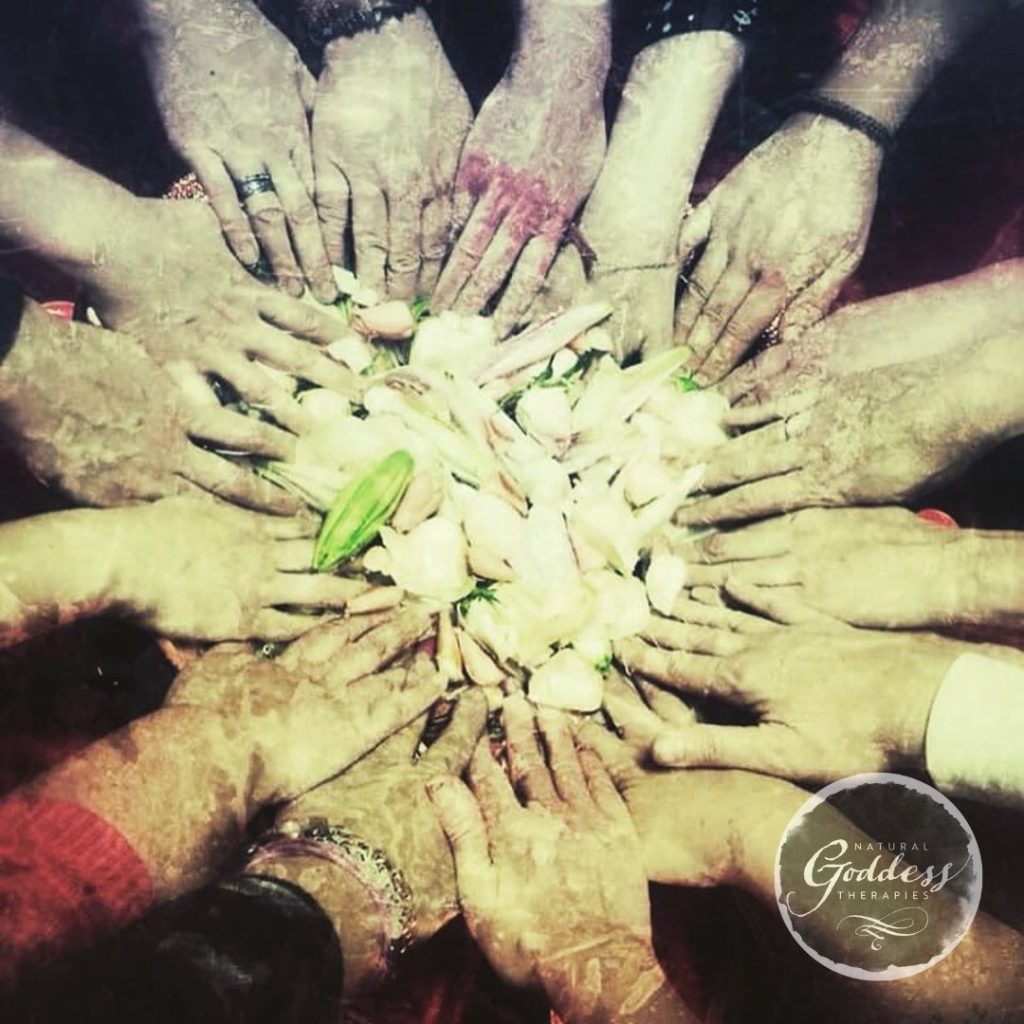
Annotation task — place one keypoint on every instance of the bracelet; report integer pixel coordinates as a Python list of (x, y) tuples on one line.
[(815, 103), (368, 865), (346, 23)]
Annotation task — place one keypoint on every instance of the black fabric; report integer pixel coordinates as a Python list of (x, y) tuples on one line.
[(663, 19), (12, 305), (247, 950)]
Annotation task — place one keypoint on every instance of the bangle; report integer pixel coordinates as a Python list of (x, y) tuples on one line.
[(815, 103), (346, 23), (369, 866)]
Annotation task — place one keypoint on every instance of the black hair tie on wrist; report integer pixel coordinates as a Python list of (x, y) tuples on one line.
[(346, 23), (815, 103), (12, 305)]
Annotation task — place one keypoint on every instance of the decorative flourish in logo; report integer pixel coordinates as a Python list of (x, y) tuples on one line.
[(902, 923)]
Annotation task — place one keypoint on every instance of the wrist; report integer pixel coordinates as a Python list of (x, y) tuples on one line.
[(825, 134), (561, 45), (985, 570), (349, 907)]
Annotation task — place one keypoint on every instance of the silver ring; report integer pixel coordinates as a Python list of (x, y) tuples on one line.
[(253, 185)]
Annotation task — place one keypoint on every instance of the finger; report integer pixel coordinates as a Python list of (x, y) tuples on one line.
[(533, 266), (601, 788), (747, 416), (563, 761), (768, 572), (529, 772), (691, 673), (236, 432), (379, 647), (711, 597), (759, 748), (261, 392), (753, 377), (815, 301), (699, 286), (669, 707), (330, 642), (220, 190), (472, 244), (333, 196), (304, 229), (632, 717), (694, 231), (491, 785), (492, 269), (305, 321), (236, 484), (711, 328), (452, 750), (271, 624), (761, 540), (681, 636), (755, 312), (462, 822), (303, 360), (756, 500), (619, 757), (761, 454), (703, 614), (298, 527), (294, 555), (435, 232), (312, 590), (370, 235), (784, 605), (404, 245)]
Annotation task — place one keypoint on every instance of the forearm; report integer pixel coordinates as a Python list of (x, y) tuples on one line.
[(937, 318), (975, 982), (54, 569), (56, 208), (668, 110), (990, 378), (898, 50), (176, 784), (561, 41)]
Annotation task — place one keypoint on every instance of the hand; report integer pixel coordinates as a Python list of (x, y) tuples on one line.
[(552, 887), (693, 825), (91, 412), (207, 571), (235, 97), (784, 230), (829, 702), (884, 568), (383, 801), (852, 442), (531, 157), (389, 121), (318, 707)]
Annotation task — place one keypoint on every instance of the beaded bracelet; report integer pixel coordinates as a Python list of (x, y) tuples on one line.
[(816, 103), (349, 22), (368, 865)]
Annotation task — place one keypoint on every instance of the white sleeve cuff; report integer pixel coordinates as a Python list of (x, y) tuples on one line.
[(973, 746)]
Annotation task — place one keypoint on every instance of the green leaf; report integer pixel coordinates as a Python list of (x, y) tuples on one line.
[(481, 592), (685, 382)]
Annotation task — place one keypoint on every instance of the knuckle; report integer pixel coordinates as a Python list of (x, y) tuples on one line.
[(269, 217)]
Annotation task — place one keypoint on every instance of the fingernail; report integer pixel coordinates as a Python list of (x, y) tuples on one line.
[(250, 252), (294, 287)]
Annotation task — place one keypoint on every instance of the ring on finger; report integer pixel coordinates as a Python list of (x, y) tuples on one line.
[(253, 185)]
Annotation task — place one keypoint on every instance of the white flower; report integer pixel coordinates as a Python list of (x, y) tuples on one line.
[(568, 681), (545, 415), (664, 580), (452, 343), (429, 561)]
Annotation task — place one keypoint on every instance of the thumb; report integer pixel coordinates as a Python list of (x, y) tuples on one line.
[(462, 821), (718, 746), (695, 230)]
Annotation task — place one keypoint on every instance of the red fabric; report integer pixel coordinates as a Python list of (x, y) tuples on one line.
[(66, 879)]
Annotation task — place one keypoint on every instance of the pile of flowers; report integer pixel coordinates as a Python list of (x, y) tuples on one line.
[(526, 487)]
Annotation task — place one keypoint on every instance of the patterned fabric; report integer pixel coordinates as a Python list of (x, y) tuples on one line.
[(667, 18)]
